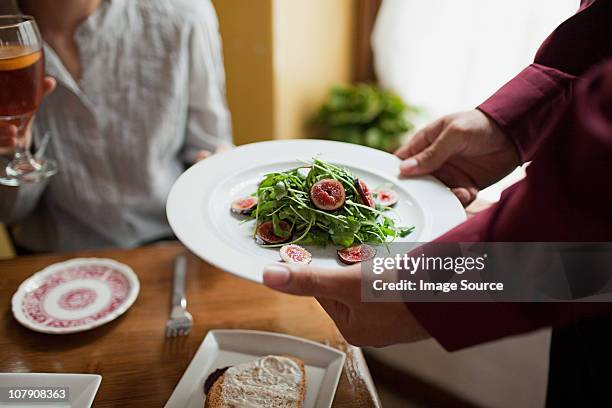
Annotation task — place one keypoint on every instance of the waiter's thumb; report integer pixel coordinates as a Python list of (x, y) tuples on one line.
[(431, 158), (306, 280)]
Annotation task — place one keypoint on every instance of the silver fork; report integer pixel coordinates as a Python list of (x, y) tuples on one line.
[(180, 321)]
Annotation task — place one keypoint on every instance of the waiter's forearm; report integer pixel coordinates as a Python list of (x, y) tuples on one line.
[(562, 199)]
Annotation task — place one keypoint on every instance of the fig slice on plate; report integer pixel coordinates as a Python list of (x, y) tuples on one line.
[(295, 254), (327, 194), (356, 254), (244, 206), (265, 232), (364, 193), (386, 197)]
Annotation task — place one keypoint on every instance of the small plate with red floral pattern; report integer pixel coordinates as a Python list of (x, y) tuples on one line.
[(75, 295)]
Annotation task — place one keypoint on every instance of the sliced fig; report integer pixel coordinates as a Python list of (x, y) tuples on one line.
[(295, 254), (244, 206), (327, 194), (356, 254), (386, 197), (265, 232), (364, 193)]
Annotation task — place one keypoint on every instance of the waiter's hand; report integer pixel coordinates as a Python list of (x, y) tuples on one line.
[(9, 133), (338, 290), (467, 151)]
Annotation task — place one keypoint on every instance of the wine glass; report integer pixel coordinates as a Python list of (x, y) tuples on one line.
[(22, 72)]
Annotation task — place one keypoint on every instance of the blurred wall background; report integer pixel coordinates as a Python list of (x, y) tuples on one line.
[(247, 33), (280, 59), (313, 49)]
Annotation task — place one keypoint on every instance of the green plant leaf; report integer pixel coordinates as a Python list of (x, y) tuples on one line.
[(365, 114)]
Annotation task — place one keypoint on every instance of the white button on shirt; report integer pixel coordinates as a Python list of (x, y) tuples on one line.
[(151, 95)]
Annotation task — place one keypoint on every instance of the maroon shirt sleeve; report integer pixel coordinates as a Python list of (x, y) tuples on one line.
[(525, 106), (563, 198)]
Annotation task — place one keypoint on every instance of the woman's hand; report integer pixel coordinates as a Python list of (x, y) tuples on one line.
[(8, 133), (467, 151), (203, 154), (338, 291), (7, 139)]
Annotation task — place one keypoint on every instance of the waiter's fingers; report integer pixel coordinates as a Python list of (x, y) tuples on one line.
[(432, 158), (465, 195), (305, 280), (420, 140)]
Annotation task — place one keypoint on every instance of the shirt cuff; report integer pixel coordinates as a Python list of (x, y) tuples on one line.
[(529, 104)]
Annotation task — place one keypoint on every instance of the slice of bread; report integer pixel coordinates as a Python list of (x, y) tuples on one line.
[(270, 381)]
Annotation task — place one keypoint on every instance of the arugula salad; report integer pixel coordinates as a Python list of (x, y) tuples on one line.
[(319, 204)]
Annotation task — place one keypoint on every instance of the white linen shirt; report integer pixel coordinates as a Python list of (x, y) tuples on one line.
[(151, 95)]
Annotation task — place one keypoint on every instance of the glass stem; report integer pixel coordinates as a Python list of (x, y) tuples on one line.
[(22, 153), (23, 162)]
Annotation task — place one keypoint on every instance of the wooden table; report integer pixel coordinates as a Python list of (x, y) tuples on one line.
[(139, 366)]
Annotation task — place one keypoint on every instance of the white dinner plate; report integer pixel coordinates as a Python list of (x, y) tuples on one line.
[(75, 295), (82, 388), (223, 348), (198, 206)]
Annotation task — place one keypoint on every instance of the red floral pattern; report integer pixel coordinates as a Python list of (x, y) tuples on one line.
[(32, 303), (77, 299)]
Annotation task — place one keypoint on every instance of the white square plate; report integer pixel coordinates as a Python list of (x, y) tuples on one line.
[(222, 348), (82, 387)]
